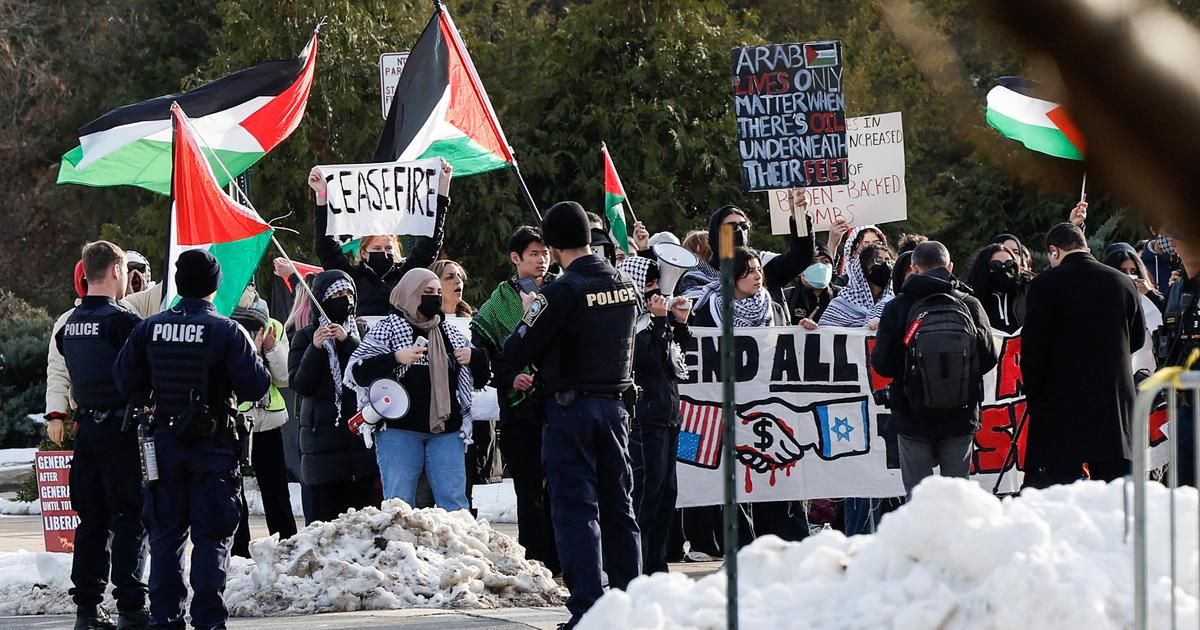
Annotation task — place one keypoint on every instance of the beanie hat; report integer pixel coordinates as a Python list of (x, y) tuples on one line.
[(197, 274), (251, 314), (80, 280), (566, 226)]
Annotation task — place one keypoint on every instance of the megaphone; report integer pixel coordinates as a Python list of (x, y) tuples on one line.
[(673, 261), (386, 400)]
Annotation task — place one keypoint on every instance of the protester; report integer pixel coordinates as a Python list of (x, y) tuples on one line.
[(909, 242), (188, 362), (812, 291), (778, 269), (935, 342), (998, 283), (1083, 321), (521, 413), (1160, 258), (377, 267), (861, 238), (1126, 260), (139, 272), (105, 476), (267, 417), (1179, 337), (868, 290), (696, 242), (58, 380), (335, 465), (434, 362), (454, 280), (901, 271), (654, 433)]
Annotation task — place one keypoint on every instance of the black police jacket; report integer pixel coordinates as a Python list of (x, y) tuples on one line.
[(888, 357), (579, 331), (190, 348), (371, 289), (90, 341)]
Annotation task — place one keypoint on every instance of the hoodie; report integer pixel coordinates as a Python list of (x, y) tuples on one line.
[(889, 356), (778, 269)]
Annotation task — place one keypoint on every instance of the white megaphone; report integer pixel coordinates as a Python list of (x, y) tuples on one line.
[(673, 261), (386, 400)]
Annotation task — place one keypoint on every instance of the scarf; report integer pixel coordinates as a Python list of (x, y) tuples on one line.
[(335, 366), (748, 312), (844, 265), (695, 281), (636, 268), (406, 298), (854, 305)]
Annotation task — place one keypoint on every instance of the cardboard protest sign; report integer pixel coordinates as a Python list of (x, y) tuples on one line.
[(876, 192), (59, 519), (791, 120), (391, 65), (387, 198), (808, 426)]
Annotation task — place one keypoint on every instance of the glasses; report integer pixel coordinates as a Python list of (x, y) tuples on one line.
[(1005, 265), (740, 225), (137, 266)]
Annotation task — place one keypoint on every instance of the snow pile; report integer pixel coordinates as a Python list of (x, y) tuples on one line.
[(9, 507), (255, 503), (35, 583), (394, 557), (17, 457), (955, 558), (497, 502)]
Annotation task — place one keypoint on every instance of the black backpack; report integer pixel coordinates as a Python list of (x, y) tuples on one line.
[(941, 371)]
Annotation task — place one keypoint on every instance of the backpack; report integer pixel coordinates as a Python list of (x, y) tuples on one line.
[(941, 355)]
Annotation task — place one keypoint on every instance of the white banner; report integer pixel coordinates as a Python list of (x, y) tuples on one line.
[(808, 427), (389, 198), (876, 192)]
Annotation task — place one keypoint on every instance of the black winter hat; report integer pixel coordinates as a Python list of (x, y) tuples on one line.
[(566, 226), (197, 274)]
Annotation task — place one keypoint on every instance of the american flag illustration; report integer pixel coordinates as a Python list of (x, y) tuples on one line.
[(700, 435)]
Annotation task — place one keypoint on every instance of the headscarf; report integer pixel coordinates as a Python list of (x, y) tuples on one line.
[(405, 298), (335, 366), (855, 305)]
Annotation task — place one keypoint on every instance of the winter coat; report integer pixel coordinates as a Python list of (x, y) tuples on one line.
[(1083, 319), (654, 372), (270, 412), (1006, 310), (328, 451), (889, 356), (373, 290)]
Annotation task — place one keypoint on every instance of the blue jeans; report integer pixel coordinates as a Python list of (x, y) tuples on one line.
[(402, 455)]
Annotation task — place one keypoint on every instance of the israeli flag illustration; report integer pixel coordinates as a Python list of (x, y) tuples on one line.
[(844, 428)]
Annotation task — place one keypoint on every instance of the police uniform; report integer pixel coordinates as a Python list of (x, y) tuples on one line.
[(579, 334), (106, 489), (189, 363), (1174, 342)]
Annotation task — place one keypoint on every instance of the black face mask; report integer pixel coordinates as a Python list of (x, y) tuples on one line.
[(431, 305), (339, 309), (880, 275), (1002, 279), (739, 238), (380, 262)]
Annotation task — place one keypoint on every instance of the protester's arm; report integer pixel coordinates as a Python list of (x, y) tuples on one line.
[(374, 368), (480, 366), (328, 250), (501, 376), (784, 268), (277, 355), (888, 356), (58, 379), (146, 303), (426, 248), (987, 343), (307, 364)]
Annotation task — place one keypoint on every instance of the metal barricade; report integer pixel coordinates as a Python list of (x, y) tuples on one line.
[(1172, 380)]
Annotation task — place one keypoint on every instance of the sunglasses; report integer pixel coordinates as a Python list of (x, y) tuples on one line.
[(740, 225), (137, 266), (1006, 265)]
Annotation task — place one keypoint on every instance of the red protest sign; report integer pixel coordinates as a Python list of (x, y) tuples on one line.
[(54, 490)]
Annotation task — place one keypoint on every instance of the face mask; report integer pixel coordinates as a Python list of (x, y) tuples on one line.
[(1165, 245), (880, 275), (380, 262), (739, 238), (431, 305), (339, 309), (1002, 279), (818, 275)]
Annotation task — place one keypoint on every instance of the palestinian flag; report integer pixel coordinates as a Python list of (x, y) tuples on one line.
[(1015, 110), (204, 217), (440, 108), (614, 202), (241, 117)]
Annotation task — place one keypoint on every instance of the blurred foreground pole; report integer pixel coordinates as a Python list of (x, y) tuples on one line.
[(729, 427)]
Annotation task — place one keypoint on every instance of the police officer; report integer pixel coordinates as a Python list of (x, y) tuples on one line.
[(106, 488), (189, 363), (578, 334)]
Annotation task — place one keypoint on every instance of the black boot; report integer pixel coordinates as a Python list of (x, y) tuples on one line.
[(93, 618), (135, 620)]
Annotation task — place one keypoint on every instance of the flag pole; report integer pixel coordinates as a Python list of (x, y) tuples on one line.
[(246, 201), (525, 190), (1083, 188), (608, 156)]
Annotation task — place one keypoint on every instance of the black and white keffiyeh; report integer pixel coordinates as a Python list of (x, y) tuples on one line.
[(395, 333), (747, 312), (855, 305), (335, 367)]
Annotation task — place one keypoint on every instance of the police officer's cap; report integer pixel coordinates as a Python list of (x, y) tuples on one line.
[(566, 226), (197, 274)]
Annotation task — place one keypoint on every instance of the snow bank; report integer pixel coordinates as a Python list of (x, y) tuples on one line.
[(955, 558), (19, 457), (35, 583), (394, 557), (8, 507), (497, 502), (255, 503)]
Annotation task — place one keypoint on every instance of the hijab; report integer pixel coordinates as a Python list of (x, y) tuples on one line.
[(405, 298)]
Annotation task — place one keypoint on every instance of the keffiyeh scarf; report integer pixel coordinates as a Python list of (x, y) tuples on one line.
[(747, 312), (335, 366), (854, 305)]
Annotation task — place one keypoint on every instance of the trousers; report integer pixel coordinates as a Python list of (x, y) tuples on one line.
[(918, 456), (655, 487)]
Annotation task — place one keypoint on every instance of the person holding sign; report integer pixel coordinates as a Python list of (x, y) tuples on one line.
[(378, 267)]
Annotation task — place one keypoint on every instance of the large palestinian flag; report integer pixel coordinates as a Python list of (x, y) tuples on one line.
[(440, 108), (615, 201), (241, 117), (204, 217), (1016, 110)]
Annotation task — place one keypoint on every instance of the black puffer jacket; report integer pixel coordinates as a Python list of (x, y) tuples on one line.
[(373, 290), (328, 451)]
